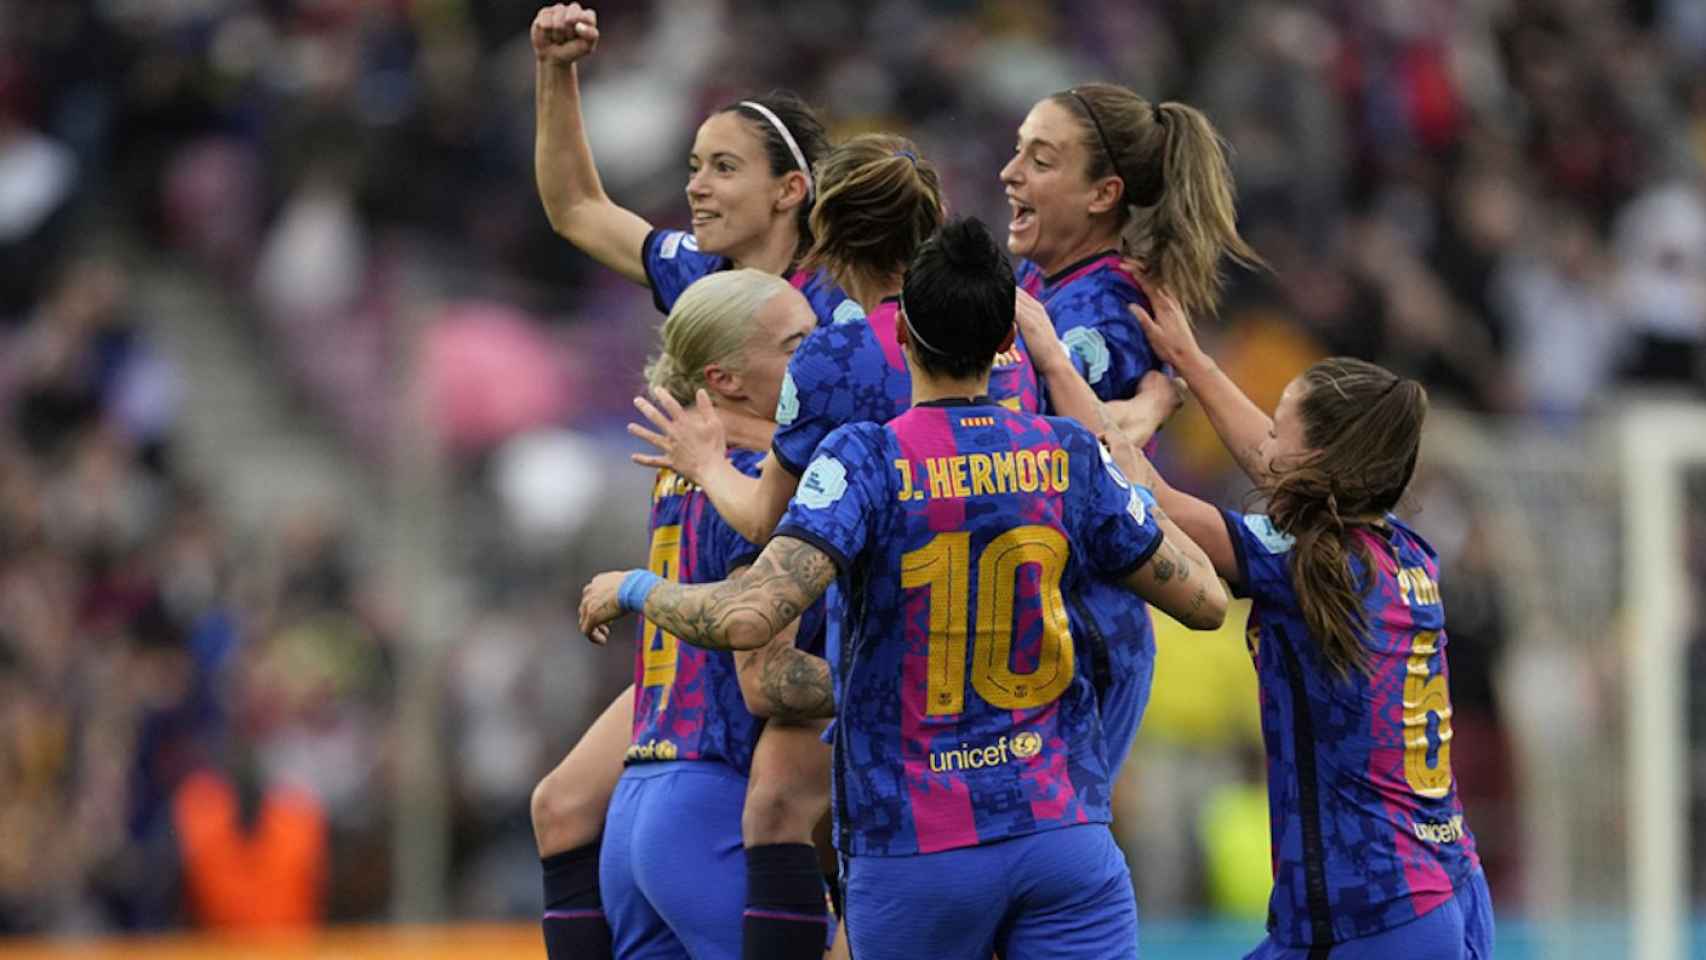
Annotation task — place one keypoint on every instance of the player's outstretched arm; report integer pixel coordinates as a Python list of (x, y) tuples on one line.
[(691, 441), (1179, 579), (563, 167), (741, 613), (1241, 424)]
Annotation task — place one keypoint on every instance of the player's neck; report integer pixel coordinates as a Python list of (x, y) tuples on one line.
[(926, 388), (1091, 244), (869, 291), (774, 254)]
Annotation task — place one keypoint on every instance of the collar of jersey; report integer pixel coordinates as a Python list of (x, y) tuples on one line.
[(1068, 270), (982, 401)]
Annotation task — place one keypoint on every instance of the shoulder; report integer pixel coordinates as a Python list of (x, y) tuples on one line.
[(1258, 530), (846, 458), (1409, 533)]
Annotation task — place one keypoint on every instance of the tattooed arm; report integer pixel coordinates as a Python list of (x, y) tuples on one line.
[(783, 682), (1180, 580), (741, 613)]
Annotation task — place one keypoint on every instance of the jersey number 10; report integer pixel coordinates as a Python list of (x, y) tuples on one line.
[(944, 566)]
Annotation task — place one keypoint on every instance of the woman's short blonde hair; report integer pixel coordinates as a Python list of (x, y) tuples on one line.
[(710, 323)]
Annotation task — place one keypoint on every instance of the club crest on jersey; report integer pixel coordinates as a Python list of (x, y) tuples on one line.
[(847, 312), (1270, 536), (824, 483), (1088, 345), (788, 404)]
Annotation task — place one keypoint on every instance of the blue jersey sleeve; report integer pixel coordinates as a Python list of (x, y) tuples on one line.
[(1117, 526), (816, 395), (836, 503), (1106, 344), (1264, 556), (673, 261)]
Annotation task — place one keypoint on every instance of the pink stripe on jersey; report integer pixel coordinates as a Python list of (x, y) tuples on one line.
[(925, 432), (882, 321), (942, 814), (1425, 876), (799, 279)]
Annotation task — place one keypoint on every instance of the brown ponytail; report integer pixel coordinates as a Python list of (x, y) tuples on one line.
[(1363, 425), (878, 201), (1179, 206)]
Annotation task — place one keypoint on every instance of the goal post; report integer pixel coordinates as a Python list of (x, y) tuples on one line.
[(1660, 442)]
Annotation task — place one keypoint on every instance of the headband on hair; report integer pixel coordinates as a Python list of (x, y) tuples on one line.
[(1100, 136), (787, 138), (908, 154), (906, 318)]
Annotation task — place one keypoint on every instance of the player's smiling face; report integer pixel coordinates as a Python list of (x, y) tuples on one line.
[(1285, 446), (1049, 192), (730, 190)]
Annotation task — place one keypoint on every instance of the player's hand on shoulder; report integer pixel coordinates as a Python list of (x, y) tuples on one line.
[(689, 440), (1048, 353), (564, 33), (1168, 329), (599, 606)]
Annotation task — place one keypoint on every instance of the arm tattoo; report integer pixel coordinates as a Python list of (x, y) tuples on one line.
[(1164, 565), (744, 612), (796, 684), (1197, 601)]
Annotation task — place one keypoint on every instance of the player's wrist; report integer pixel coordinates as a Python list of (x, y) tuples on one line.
[(636, 587)]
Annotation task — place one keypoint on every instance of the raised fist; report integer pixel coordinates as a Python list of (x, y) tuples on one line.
[(564, 33)]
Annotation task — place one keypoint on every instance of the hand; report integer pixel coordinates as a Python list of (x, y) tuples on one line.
[(1158, 398), (599, 607), (564, 33), (692, 442), (1168, 330), (1048, 353)]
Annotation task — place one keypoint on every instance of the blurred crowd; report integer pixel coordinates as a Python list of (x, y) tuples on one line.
[(1506, 198)]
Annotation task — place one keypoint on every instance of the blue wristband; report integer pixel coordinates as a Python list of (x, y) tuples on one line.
[(636, 587)]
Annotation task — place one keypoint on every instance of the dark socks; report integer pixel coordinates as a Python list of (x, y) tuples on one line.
[(785, 917), (574, 915)]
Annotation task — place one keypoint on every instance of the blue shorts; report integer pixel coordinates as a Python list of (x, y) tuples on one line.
[(1057, 894), (671, 871), (1459, 929)]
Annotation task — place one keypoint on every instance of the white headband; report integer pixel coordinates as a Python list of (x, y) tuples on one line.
[(787, 138)]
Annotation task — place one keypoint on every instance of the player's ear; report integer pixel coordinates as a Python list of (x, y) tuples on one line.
[(1106, 194), (793, 190), (722, 383)]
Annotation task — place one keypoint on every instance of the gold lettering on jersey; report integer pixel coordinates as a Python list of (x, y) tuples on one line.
[(653, 750), (1021, 746), (1418, 589), (1450, 831), (907, 490), (986, 474), (671, 484)]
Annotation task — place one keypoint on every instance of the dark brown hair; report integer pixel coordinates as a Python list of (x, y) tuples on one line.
[(1363, 426), (808, 133), (1177, 207), (878, 201)]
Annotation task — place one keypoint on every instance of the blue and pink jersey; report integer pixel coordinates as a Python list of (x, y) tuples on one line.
[(672, 262), (852, 371), (687, 701), (1087, 302), (961, 527), (1367, 830)]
